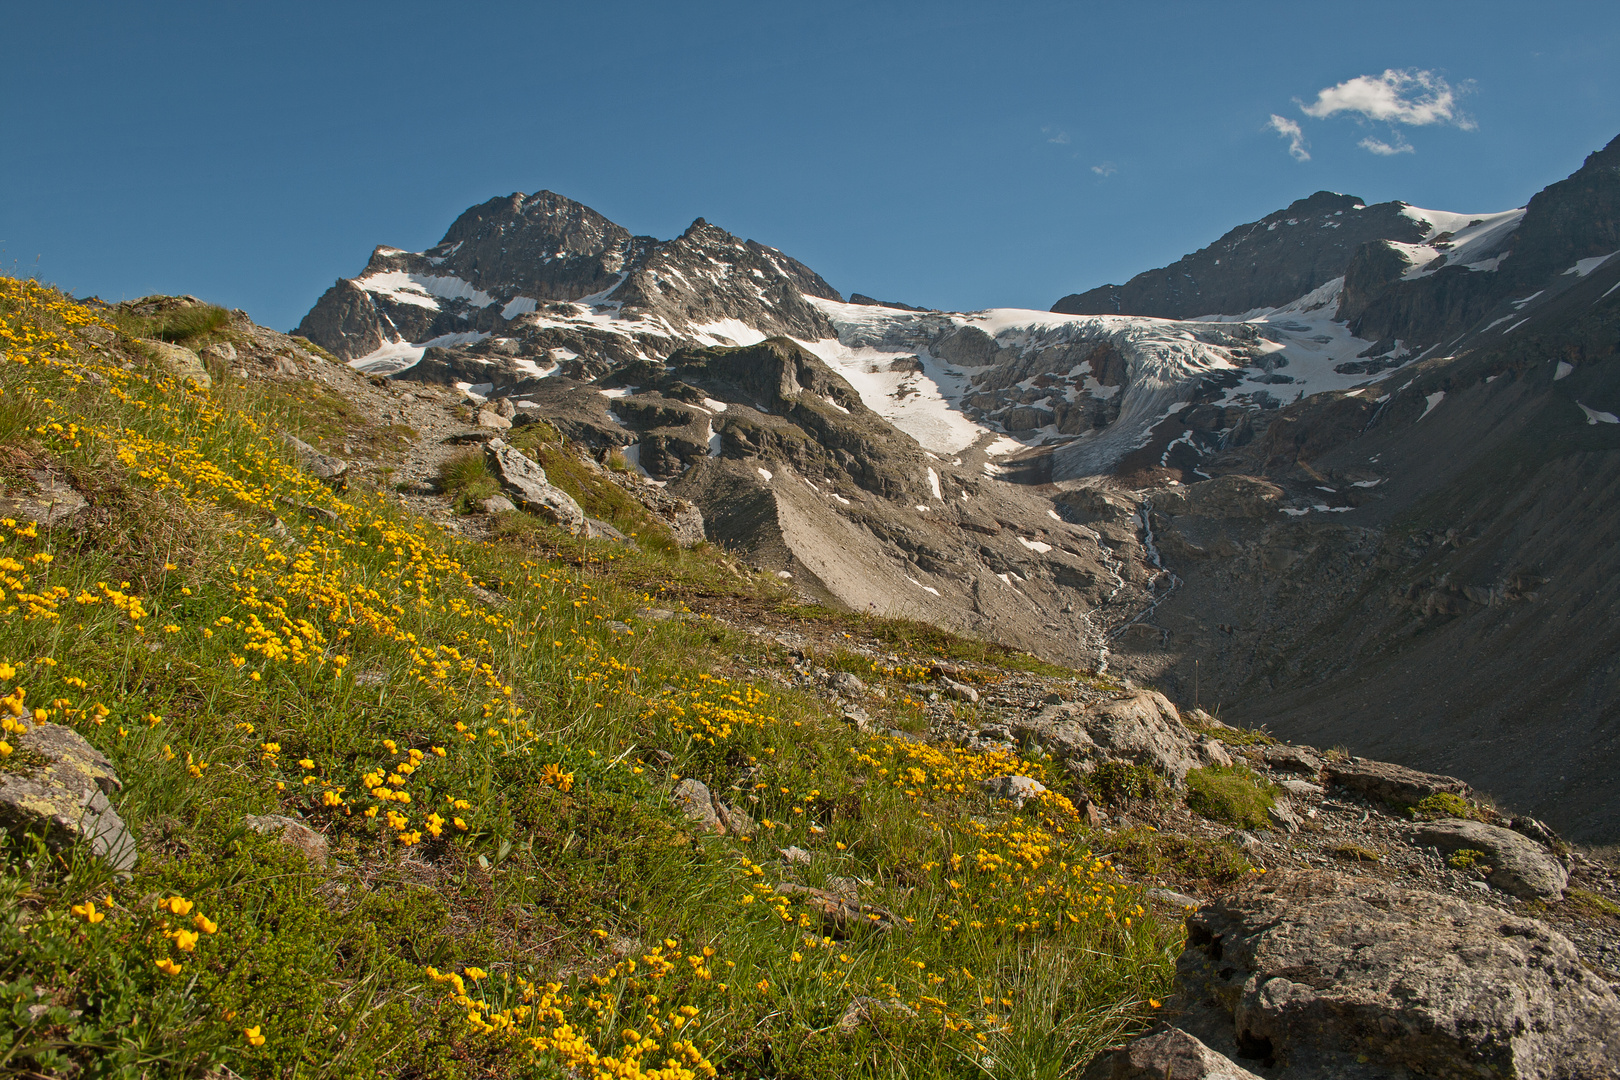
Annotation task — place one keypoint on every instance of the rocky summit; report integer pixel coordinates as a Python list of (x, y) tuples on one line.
[(1345, 471)]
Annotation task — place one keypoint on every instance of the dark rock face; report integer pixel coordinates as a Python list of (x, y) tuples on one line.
[(513, 256), (1574, 219), (1266, 263)]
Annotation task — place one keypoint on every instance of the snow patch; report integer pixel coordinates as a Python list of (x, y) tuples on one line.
[(1595, 417), (1036, 545), (765, 473), (1433, 399), (1586, 266), (933, 484), (422, 290), (518, 305), (1563, 371)]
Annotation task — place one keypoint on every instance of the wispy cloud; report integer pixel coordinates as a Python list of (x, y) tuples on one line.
[(1416, 98), (1107, 168), (1056, 135), (1384, 149), (1290, 130)]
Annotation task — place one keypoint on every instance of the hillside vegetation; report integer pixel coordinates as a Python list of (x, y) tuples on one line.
[(486, 735)]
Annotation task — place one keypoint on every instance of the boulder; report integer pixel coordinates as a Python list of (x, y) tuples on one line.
[(1166, 1054), (292, 833), (494, 421), (695, 801), (1301, 789), (55, 785), (333, 471), (180, 361), (864, 1010), (1391, 783), (496, 504), (961, 691), (525, 483), (1014, 789), (1211, 752), (51, 502), (1519, 865), (1329, 974), (1295, 759), (1141, 728)]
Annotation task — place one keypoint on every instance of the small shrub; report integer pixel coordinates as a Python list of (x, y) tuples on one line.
[(1115, 782), (1191, 860), (1443, 804), (1230, 793), (467, 480), (1466, 859)]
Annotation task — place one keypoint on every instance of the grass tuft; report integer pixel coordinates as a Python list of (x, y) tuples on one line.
[(1230, 793)]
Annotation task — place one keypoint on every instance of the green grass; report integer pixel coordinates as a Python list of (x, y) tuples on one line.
[(177, 323), (230, 666), (466, 478), (1230, 793)]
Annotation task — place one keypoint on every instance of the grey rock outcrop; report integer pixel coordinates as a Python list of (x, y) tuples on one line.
[(525, 483), (1519, 865), (56, 785), (51, 501), (181, 362), (1142, 728), (1323, 974)]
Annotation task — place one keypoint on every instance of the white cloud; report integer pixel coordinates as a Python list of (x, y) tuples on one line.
[(1107, 168), (1290, 130), (1384, 149), (1056, 135), (1414, 97)]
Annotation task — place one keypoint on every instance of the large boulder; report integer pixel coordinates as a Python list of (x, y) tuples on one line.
[(55, 785), (1519, 865), (1392, 783), (1326, 974), (1141, 728), (525, 483)]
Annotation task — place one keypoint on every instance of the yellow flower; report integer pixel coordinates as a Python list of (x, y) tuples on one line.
[(87, 911), (205, 924), (185, 940), (254, 1038), (167, 966), (179, 905)]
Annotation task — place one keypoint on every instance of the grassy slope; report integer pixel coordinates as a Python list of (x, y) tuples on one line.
[(508, 890)]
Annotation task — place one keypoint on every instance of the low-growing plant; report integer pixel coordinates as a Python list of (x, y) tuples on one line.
[(1591, 903), (1355, 853), (1114, 783), (1195, 862), (1466, 859), (1233, 736), (176, 322), (1230, 793), (1444, 804)]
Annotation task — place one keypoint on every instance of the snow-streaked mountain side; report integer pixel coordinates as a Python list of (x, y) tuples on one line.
[(1329, 476)]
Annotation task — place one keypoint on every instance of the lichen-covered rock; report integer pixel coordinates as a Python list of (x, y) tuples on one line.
[(526, 484), (1169, 1054), (694, 800), (1519, 865), (1015, 789), (180, 361), (1315, 972), (45, 497), (1142, 728), (324, 467), (55, 785), (292, 833)]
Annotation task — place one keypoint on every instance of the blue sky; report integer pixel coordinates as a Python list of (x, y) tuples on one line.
[(957, 155)]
